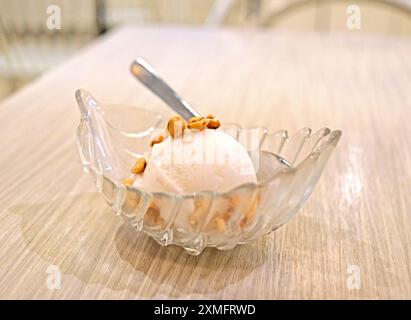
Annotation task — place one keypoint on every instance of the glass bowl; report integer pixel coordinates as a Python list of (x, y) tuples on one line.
[(110, 138)]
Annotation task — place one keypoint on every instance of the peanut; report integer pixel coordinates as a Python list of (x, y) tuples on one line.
[(220, 224), (213, 124), (156, 140), (128, 182), (194, 119), (198, 125), (176, 126), (139, 166)]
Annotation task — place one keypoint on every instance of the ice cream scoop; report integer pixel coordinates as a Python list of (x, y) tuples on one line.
[(207, 160)]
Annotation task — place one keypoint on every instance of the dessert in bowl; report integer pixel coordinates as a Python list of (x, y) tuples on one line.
[(199, 183)]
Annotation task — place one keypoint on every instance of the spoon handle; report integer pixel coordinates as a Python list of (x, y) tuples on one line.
[(149, 77)]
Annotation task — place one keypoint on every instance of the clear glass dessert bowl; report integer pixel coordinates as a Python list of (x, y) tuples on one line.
[(110, 138)]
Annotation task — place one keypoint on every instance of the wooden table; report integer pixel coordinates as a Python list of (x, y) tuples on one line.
[(355, 226)]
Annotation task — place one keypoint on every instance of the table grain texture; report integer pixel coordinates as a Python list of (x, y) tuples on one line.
[(356, 225)]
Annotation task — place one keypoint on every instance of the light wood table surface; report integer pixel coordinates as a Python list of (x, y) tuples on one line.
[(358, 218)]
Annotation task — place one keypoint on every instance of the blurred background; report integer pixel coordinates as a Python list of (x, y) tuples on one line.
[(28, 47)]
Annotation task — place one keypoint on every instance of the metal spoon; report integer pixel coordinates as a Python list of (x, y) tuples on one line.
[(149, 77), (146, 74)]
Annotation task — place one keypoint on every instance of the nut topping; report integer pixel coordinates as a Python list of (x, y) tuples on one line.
[(194, 119), (139, 166), (156, 140), (220, 224), (176, 126), (213, 124), (128, 182), (198, 125)]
